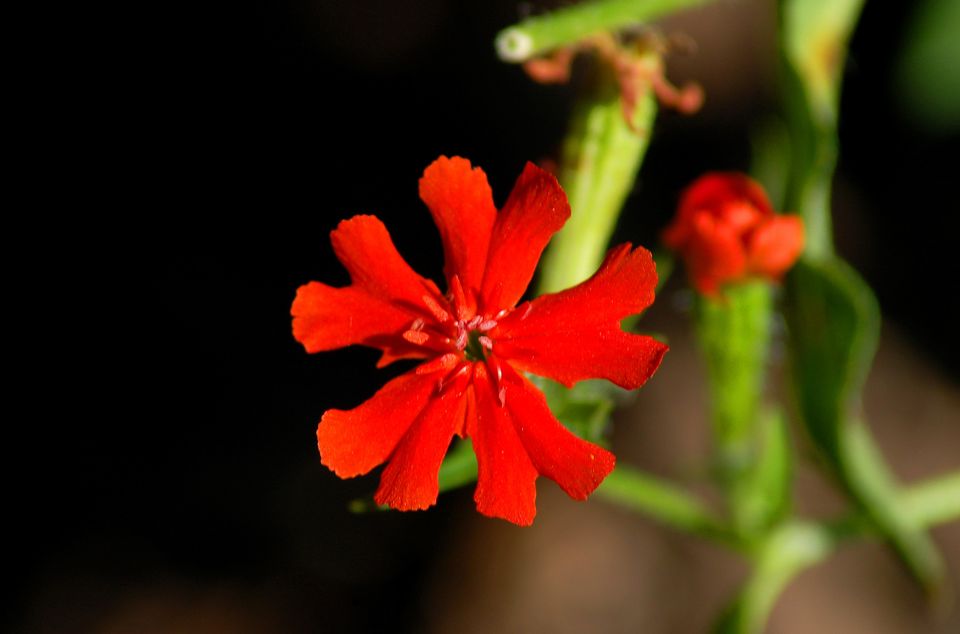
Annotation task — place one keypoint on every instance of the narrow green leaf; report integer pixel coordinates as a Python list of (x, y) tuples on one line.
[(834, 327)]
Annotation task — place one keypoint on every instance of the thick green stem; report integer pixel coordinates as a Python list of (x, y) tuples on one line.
[(542, 33), (601, 158), (733, 331)]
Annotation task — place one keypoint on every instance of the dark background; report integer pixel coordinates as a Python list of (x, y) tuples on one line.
[(247, 132)]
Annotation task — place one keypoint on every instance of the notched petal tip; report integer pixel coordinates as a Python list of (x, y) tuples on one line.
[(536, 209)]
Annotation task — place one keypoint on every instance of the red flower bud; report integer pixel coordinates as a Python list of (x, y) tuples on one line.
[(726, 231)]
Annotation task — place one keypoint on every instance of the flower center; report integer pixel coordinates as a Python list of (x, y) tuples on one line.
[(475, 350)]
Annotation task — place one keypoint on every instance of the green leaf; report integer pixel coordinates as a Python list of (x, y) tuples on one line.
[(834, 325), (927, 83), (814, 36)]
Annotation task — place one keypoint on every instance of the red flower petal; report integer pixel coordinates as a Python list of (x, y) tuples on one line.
[(354, 442), (363, 245), (410, 480), (623, 285), (714, 255), (575, 464), (536, 209), (575, 334), (595, 353), (326, 318), (461, 203), (506, 482), (775, 245), (717, 190)]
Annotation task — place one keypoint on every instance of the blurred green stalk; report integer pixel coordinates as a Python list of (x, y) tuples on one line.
[(599, 165)]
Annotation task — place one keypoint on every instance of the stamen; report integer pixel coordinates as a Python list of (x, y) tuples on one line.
[(417, 324), (435, 308), (487, 325), (445, 362), (473, 323), (486, 342), (416, 337), (446, 382), (459, 298), (501, 314), (462, 336)]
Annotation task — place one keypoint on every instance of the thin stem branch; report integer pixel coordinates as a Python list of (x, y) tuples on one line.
[(542, 33), (663, 501)]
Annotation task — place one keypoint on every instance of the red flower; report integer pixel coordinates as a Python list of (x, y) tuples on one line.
[(475, 344), (726, 231)]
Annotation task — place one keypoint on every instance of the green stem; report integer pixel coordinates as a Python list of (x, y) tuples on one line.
[(798, 545), (784, 553), (733, 331), (934, 501), (543, 33), (601, 158), (664, 502)]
